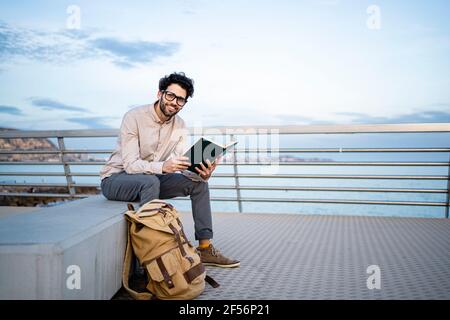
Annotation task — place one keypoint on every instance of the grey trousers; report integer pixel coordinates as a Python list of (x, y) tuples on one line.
[(145, 187)]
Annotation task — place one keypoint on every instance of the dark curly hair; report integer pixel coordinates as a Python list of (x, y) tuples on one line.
[(180, 79)]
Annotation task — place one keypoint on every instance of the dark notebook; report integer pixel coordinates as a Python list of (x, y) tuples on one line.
[(205, 149)]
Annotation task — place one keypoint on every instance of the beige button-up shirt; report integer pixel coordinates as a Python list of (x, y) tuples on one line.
[(145, 142)]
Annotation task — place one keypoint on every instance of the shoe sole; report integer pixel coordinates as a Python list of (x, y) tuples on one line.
[(234, 265)]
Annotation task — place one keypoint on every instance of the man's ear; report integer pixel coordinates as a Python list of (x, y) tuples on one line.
[(159, 94)]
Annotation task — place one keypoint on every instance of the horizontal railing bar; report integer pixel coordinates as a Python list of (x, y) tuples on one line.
[(296, 150), (84, 174), (57, 174), (274, 188), (243, 175), (342, 150), (29, 163), (242, 130), (249, 150), (88, 151), (252, 163), (53, 151), (306, 176), (325, 129), (341, 163), (29, 152), (52, 195), (35, 163), (335, 201), (98, 133), (291, 200), (44, 174), (40, 184), (337, 189)]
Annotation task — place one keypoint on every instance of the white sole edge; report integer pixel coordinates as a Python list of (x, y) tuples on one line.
[(221, 265)]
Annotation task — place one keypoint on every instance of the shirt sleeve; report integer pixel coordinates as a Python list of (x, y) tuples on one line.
[(132, 162), (181, 145)]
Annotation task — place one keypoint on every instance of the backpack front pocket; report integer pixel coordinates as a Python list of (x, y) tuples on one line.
[(166, 280)]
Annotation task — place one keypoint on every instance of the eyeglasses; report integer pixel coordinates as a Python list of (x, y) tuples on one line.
[(171, 96)]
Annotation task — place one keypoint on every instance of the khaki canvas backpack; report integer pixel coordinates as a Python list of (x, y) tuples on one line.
[(172, 264)]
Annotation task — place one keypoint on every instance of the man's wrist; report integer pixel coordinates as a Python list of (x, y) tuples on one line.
[(157, 167)]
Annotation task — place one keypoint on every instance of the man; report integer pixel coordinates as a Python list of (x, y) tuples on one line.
[(148, 157)]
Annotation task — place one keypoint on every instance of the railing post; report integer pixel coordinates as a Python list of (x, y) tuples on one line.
[(448, 190), (62, 157), (236, 176), (258, 160)]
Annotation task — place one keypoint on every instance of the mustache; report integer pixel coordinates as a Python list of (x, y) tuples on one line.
[(164, 110), (173, 107), (168, 104)]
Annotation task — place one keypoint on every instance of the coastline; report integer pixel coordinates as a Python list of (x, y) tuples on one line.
[(39, 201)]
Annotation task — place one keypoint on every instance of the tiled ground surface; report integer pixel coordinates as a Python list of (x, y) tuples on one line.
[(326, 257)]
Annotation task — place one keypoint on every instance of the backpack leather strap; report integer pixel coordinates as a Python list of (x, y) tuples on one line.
[(197, 270), (183, 234), (212, 282), (180, 244), (126, 272), (166, 276), (194, 272)]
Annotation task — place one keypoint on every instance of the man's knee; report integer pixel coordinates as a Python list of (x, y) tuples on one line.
[(200, 186), (150, 182), (149, 189)]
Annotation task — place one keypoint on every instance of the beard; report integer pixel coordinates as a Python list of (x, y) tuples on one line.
[(165, 109)]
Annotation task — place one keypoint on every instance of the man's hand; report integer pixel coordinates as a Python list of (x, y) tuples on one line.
[(206, 172), (175, 164)]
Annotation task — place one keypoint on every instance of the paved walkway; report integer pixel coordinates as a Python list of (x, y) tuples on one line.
[(326, 257)]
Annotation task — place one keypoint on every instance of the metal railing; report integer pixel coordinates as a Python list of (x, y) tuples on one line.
[(233, 161)]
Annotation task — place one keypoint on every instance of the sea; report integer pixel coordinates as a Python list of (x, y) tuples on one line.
[(340, 142)]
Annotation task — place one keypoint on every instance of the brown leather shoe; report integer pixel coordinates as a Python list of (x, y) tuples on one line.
[(210, 256)]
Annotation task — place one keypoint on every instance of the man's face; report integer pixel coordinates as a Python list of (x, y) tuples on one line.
[(171, 108)]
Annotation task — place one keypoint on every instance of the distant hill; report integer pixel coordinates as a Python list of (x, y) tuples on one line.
[(34, 144), (30, 144)]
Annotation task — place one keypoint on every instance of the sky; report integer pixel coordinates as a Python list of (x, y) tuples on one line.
[(84, 64)]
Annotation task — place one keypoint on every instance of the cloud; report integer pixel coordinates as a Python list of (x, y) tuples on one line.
[(351, 114), (189, 12), (128, 53), (293, 119), (91, 123), (49, 104), (37, 45), (10, 110), (435, 116), (328, 2), (68, 46), (429, 116), (77, 33)]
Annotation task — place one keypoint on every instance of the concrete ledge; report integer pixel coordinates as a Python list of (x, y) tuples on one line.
[(44, 253), (6, 211)]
